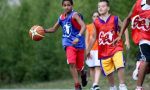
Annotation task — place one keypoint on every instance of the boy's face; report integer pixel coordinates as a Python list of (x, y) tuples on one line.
[(67, 6), (95, 15), (103, 8)]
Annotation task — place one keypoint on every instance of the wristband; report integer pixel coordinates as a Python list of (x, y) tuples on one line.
[(78, 36)]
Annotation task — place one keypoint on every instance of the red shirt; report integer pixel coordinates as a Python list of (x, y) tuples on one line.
[(106, 33), (140, 23)]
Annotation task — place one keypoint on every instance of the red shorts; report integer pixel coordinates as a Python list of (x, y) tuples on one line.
[(75, 56)]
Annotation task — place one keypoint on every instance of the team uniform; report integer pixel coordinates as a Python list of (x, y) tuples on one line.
[(111, 57), (70, 29), (141, 29), (93, 60), (141, 33)]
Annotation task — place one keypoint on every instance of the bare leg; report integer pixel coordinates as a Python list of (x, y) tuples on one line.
[(97, 75), (92, 73), (121, 75), (74, 73), (111, 79), (142, 73)]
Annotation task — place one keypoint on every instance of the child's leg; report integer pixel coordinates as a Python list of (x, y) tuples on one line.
[(97, 75), (108, 68), (80, 66), (97, 67), (74, 73), (121, 75), (145, 57), (90, 64), (142, 73), (111, 79), (71, 60), (92, 73), (119, 65)]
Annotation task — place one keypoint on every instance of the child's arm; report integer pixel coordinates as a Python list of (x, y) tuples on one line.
[(53, 29), (92, 41), (127, 43), (81, 23), (126, 23), (86, 38)]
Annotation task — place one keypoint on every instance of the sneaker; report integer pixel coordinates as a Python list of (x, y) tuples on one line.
[(84, 78), (135, 72), (78, 87), (122, 87), (113, 88), (139, 88), (95, 87)]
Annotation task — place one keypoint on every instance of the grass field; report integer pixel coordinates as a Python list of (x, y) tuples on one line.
[(68, 84)]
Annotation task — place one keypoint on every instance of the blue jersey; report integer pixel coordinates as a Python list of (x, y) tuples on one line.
[(70, 31)]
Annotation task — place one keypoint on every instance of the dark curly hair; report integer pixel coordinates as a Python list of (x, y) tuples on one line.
[(71, 1)]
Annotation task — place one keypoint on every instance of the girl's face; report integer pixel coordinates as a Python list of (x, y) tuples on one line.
[(67, 6), (103, 8), (95, 15)]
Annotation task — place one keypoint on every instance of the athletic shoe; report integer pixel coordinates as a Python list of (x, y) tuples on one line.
[(123, 87), (113, 88), (139, 88), (84, 78), (135, 72), (95, 87), (78, 86)]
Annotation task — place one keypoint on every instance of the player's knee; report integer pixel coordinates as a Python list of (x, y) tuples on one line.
[(72, 65)]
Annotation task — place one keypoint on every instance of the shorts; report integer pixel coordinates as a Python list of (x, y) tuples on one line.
[(144, 53), (75, 56), (113, 63), (93, 60)]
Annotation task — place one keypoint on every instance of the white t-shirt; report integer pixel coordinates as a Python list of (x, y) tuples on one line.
[(144, 7)]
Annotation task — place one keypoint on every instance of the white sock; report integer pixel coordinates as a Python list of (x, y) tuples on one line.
[(139, 87), (122, 85), (95, 84)]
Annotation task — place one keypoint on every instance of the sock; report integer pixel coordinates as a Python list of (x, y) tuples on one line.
[(139, 87), (122, 85), (95, 84), (77, 84)]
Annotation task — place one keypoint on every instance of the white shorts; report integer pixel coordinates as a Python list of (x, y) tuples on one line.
[(93, 60)]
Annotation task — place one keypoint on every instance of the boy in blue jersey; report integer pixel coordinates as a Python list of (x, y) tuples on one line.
[(72, 40)]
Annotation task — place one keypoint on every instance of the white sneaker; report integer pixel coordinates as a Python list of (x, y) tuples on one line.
[(122, 87), (135, 72), (139, 88), (113, 88)]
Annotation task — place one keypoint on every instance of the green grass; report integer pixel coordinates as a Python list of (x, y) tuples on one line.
[(68, 84)]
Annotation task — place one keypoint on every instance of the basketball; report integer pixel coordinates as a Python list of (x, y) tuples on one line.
[(36, 33)]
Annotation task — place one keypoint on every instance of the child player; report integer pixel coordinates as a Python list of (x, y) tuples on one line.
[(93, 62), (72, 40), (111, 56), (140, 18)]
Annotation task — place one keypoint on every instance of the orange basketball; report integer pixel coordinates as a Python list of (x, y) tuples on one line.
[(37, 33)]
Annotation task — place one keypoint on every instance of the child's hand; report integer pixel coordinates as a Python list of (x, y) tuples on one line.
[(116, 40), (127, 43), (76, 40), (89, 55)]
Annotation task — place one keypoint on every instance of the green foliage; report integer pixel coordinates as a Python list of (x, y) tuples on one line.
[(24, 60)]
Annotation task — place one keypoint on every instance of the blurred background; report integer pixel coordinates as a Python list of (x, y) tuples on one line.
[(25, 61)]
